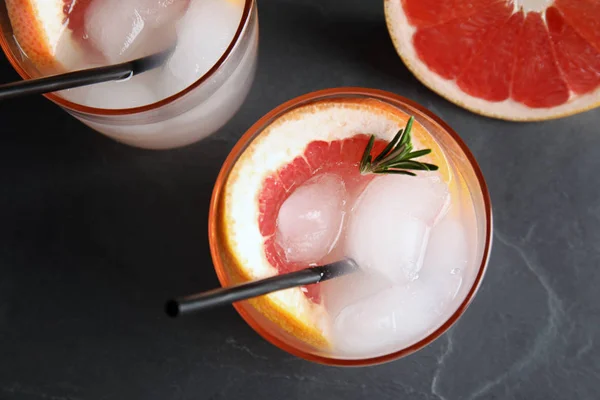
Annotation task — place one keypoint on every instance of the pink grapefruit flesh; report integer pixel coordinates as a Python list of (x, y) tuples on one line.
[(340, 157), (515, 60)]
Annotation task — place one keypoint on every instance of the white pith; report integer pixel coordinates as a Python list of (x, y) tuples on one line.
[(51, 18), (532, 5)]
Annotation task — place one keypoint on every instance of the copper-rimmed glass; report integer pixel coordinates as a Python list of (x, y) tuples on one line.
[(183, 118), (456, 152)]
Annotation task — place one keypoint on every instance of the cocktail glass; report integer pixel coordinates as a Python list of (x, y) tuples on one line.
[(229, 263)]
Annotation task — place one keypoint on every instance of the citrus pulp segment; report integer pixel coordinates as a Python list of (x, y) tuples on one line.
[(43, 31)]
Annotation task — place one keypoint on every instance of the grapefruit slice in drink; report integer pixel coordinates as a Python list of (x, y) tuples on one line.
[(323, 137), (44, 30), (509, 59)]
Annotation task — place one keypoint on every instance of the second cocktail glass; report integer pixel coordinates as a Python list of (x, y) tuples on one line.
[(185, 116)]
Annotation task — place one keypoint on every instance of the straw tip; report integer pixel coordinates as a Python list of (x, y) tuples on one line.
[(172, 308)]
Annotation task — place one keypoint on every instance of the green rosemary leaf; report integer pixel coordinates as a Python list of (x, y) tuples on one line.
[(364, 162), (397, 157), (368, 164), (394, 155), (390, 146), (408, 164), (399, 154), (406, 138), (432, 167), (418, 153)]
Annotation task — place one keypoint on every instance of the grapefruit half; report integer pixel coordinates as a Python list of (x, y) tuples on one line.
[(321, 137), (509, 59)]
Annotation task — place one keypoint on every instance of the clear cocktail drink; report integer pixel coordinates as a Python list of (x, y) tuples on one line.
[(292, 194)]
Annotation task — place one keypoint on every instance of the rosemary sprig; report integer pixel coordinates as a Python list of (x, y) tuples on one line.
[(397, 157)]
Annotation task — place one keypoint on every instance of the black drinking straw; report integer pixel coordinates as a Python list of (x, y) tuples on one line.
[(223, 296), (82, 77)]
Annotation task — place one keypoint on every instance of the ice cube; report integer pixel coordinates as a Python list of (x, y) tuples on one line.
[(203, 35), (124, 30), (310, 220), (386, 321), (389, 226), (133, 92), (161, 13), (345, 290), (446, 260)]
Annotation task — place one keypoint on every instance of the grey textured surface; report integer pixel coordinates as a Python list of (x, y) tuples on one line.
[(94, 236)]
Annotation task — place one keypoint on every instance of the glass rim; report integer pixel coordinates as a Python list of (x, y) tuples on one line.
[(264, 122), (246, 14)]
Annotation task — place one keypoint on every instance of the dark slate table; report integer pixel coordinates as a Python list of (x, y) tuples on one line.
[(95, 235)]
